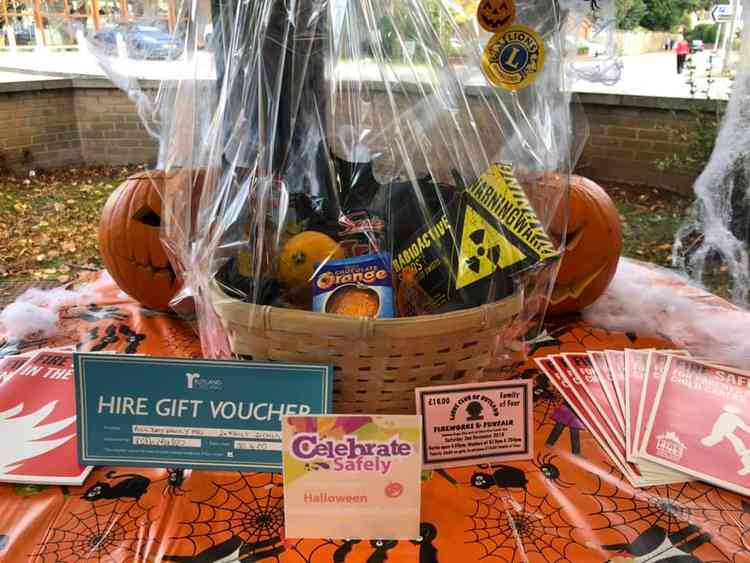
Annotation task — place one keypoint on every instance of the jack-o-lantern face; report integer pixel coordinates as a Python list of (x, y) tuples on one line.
[(129, 241), (496, 15), (592, 247)]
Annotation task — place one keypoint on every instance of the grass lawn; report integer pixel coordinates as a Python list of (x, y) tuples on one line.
[(48, 223)]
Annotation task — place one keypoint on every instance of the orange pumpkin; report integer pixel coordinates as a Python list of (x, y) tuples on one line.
[(592, 247), (129, 241), (496, 15)]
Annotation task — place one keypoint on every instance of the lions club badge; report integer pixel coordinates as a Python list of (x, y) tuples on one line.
[(514, 58), (496, 15)]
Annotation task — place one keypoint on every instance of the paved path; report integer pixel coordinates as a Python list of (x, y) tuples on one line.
[(652, 74), (655, 74)]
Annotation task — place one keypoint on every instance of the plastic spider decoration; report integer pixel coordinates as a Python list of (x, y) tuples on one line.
[(687, 522), (545, 464), (502, 477), (110, 337), (132, 338), (173, 482)]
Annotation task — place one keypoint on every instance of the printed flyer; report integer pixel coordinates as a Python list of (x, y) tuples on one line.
[(38, 422), (352, 476), (476, 423), (700, 423), (636, 364)]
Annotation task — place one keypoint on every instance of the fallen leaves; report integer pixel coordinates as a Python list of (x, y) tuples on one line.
[(49, 221)]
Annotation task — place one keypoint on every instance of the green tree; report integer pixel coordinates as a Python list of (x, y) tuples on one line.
[(665, 15), (629, 13)]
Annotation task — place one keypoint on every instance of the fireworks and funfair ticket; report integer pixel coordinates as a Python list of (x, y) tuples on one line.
[(578, 418), (700, 423), (581, 363), (636, 363), (616, 363), (476, 423), (606, 380), (657, 363), (352, 476), (572, 387)]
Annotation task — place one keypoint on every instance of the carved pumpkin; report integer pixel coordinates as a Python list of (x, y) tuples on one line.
[(129, 241), (496, 15), (592, 248)]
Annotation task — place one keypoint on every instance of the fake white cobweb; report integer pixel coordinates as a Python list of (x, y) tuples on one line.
[(716, 234)]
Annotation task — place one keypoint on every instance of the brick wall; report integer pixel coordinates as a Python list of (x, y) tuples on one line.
[(62, 122), (109, 128), (38, 129), (628, 134), (49, 124)]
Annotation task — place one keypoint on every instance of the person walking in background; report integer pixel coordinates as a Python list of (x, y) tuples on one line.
[(683, 50)]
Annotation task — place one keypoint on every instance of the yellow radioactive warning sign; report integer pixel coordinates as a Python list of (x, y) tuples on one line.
[(500, 195), (484, 250)]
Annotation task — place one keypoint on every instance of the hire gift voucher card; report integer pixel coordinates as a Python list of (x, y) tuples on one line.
[(205, 414), (352, 476)]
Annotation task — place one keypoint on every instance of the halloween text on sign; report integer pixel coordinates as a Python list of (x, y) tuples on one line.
[(158, 412)]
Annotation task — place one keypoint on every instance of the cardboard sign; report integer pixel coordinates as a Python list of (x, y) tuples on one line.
[(476, 423), (352, 476), (169, 412)]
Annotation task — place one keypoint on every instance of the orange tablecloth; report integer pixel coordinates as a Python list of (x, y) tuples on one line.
[(567, 504)]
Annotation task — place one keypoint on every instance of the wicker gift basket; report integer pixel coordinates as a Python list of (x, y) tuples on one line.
[(378, 363), (363, 124)]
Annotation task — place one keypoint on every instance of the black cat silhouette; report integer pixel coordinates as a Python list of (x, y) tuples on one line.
[(341, 553), (382, 547), (427, 552), (131, 486)]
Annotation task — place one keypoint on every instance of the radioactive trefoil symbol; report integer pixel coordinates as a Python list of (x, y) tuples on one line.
[(474, 263), (484, 250)]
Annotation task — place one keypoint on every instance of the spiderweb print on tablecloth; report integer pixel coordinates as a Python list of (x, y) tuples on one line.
[(314, 551), (695, 518), (105, 532), (513, 526), (249, 507)]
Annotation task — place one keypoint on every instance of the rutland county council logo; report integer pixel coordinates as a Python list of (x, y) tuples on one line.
[(669, 446), (194, 381)]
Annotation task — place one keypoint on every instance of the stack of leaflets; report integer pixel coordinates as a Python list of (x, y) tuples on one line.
[(38, 419), (662, 416)]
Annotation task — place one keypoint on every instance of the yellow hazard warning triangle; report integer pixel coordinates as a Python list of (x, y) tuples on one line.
[(498, 194), (484, 250)]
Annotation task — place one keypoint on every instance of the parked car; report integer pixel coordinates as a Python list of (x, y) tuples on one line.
[(142, 41), (696, 46)]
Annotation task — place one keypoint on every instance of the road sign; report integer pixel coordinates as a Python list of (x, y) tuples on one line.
[(721, 13)]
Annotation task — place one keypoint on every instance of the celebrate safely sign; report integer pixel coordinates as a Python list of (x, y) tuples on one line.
[(164, 412)]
